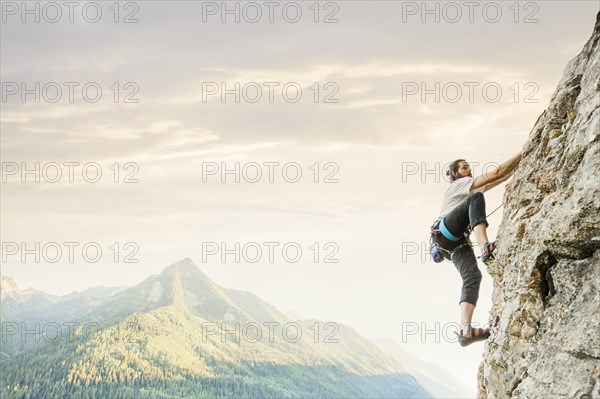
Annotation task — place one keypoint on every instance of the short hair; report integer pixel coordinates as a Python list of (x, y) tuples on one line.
[(453, 168)]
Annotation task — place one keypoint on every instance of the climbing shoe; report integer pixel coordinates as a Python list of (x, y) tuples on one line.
[(473, 335), (488, 252)]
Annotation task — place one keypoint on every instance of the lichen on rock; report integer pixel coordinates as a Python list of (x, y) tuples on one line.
[(545, 316)]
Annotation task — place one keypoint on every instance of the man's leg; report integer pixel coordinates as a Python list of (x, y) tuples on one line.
[(481, 233), (471, 212), (466, 263), (466, 315)]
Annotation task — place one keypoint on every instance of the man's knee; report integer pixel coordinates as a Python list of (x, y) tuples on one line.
[(473, 279), (477, 196), (477, 277), (476, 204)]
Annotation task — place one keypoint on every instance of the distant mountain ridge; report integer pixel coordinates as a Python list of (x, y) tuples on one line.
[(437, 380), (15, 300), (37, 305), (179, 334)]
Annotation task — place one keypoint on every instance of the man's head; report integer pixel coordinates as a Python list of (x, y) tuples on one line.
[(459, 168)]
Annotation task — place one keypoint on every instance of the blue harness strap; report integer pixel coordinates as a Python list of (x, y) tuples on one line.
[(445, 232)]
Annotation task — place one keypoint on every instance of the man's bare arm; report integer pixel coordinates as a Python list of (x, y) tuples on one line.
[(496, 183), (500, 172)]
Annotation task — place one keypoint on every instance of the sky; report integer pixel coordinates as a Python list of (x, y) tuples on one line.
[(339, 116)]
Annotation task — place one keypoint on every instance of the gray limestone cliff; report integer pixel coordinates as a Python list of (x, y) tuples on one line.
[(545, 316)]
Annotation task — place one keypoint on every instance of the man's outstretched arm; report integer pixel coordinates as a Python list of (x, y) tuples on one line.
[(500, 172), (496, 183)]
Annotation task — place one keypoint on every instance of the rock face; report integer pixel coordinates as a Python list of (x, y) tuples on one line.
[(545, 317)]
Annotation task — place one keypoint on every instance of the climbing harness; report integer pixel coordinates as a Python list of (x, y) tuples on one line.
[(440, 254)]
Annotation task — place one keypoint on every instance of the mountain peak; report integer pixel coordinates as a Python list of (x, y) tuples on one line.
[(184, 267), (185, 263), (168, 312), (8, 286), (187, 270), (183, 285)]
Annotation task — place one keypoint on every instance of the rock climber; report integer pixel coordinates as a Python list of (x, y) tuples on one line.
[(463, 210)]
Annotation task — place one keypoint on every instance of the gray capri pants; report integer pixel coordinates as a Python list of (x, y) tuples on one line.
[(469, 213)]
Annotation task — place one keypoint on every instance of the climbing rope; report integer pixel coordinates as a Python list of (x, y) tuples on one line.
[(499, 206)]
